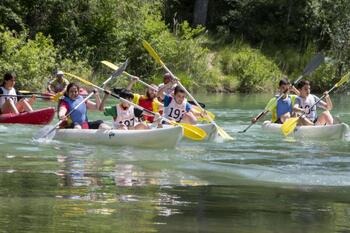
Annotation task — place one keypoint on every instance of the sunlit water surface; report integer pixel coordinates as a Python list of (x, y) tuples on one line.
[(257, 183)]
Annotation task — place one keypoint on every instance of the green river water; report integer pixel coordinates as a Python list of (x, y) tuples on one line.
[(257, 183)]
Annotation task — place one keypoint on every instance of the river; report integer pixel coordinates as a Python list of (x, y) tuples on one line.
[(256, 183)]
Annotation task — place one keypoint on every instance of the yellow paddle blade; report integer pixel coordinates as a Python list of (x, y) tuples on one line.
[(271, 104), (223, 133), (191, 131), (57, 96), (152, 52), (110, 65), (82, 80), (289, 125), (343, 80)]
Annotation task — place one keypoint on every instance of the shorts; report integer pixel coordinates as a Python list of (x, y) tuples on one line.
[(95, 124)]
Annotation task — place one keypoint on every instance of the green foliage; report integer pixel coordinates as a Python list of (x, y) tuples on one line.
[(253, 71), (31, 60)]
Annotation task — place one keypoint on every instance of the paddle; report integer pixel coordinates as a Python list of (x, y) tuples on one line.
[(156, 57), (25, 96), (190, 131), (44, 132), (290, 124), (113, 66), (315, 62)]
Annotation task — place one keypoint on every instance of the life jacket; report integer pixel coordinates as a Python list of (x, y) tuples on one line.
[(125, 117), (175, 110), (306, 103), (145, 102), (78, 116), (274, 111), (4, 91), (59, 86)]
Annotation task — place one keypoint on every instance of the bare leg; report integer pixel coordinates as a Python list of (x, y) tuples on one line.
[(189, 118), (325, 118), (104, 126), (305, 121), (9, 107), (24, 106), (141, 126), (285, 117), (77, 126)]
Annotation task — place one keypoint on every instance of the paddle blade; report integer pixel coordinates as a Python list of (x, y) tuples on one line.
[(289, 125), (47, 132), (117, 72), (223, 133), (315, 62), (192, 132), (271, 104), (82, 80), (57, 96), (343, 80), (152, 52), (110, 65), (210, 116)]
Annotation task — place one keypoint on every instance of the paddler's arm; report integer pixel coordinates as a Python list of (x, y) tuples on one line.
[(162, 89), (294, 90), (105, 97), (49, 87), (94, 106), (133, 80), (328, 105), (62, 111)]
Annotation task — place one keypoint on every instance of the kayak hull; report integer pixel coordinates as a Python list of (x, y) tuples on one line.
[(210, 129), (38, 117), (153, 138), (336, 131)]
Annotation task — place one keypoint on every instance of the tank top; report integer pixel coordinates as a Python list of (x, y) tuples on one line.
[(126, 117)]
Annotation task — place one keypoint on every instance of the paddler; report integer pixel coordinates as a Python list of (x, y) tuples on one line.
[(125, 116), (148, 101), (176, 106), (170, 86), (282, 110), (12, 104), (78, 119), (305, 100), (58, 84)]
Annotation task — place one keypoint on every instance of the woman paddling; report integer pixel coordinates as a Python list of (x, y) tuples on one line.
[(13, 104), (78, 119)]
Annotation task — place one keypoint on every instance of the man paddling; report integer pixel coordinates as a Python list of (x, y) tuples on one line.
[(176, 106), (305, 100), (58, 84), (170, 86), (148, 101), (283, 108)]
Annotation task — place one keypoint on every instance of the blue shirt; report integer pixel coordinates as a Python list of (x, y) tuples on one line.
[(284, 106)]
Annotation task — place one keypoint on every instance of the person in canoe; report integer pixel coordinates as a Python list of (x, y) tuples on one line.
[(125, 116), (148, 101), (305, 100), (78, 119), (283, 108), (170, 86), (176, 106), (12, 104), (58, 84)]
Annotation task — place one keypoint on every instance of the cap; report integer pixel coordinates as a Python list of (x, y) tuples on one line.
[(59, 72), (167, 75)]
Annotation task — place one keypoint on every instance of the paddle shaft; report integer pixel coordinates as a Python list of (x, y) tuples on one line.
[(36, 96)]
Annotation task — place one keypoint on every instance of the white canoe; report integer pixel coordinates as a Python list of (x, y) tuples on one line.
[(336, 131), (154, 138)]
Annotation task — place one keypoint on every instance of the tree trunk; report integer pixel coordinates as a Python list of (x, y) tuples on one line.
[(200, 12)]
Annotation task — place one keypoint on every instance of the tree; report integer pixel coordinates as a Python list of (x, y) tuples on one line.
[(200, 12)]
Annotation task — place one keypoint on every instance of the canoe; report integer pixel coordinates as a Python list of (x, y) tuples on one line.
[(336, 131), (153, 138), (37, 117)]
